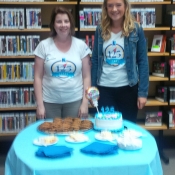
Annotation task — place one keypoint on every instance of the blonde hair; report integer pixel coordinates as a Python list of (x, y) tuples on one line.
[(128, 23)]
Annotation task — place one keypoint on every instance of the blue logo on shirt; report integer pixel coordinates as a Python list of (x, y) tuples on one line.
[(63, 68), (114, 54)]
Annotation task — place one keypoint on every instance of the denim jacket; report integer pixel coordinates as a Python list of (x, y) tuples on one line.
[(135, 54)]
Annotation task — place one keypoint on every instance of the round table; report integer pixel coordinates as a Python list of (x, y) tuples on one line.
[(21, 158)]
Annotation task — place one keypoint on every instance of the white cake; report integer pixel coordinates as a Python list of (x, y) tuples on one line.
[(109, 121)]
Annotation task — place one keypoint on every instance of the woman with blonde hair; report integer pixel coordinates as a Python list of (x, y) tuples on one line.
[(119, 60)]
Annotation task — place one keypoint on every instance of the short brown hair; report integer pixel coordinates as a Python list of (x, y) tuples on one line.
[(61, 10)]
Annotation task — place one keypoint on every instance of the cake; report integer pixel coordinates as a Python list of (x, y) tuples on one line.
[(109, 121)]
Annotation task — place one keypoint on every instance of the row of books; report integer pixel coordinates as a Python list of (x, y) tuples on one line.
[(13, 18), (145, 16), (156, 118), (16, 71), (165, 94), (17, 97), (172, 39), (18, 44), (173, 19), (172, 68), (89, 40), (14, 122), (90, 17), (160, 68)]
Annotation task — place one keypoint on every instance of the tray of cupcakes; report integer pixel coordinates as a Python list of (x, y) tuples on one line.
[(65, 126)]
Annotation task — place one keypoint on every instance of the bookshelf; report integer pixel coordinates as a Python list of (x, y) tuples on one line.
[(43, 32)]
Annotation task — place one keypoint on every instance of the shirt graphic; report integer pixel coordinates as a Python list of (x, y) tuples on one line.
[(63, 68), (114, 54)]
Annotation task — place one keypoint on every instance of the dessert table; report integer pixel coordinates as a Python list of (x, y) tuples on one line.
[(21, 158)]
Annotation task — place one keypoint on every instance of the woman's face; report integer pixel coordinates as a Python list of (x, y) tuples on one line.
[(62, 25), (116, 10)]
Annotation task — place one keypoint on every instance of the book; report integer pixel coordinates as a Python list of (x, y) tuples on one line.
[(158, 43), (161, 93), (172, 94), (153, 118), (171, 118), (172, 68), (159, 69)]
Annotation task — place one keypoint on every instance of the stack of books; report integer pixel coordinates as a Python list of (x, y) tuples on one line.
[(153, 118)]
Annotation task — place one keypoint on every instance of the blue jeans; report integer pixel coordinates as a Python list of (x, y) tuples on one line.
[(123, 99)]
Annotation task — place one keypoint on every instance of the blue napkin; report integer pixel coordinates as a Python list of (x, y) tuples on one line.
[(100, 148), (54, 151)]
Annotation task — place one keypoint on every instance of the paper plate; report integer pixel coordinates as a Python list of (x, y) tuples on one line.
[(99, 137), (45, 141), (71, 140)]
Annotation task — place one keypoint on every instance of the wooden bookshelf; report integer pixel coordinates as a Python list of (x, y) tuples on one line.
[(154, 78), (28, 30), (17, 57), (17, 83), (158, 54), (145, 29), (132, 3), (40, 3), (6, 134), (154, 102), (163, 127), (24, 108)]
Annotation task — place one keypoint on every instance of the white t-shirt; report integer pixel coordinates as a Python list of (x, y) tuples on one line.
[(114, 72), (62, 80)]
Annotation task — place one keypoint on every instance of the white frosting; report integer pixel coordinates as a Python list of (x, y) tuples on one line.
[(114, 122), (129, 143)]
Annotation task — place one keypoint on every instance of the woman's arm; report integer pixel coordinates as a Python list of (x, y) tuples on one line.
[(86, 74), (143, 68), (38, 77)]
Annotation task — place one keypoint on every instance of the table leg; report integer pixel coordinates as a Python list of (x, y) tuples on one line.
[(160, 147)]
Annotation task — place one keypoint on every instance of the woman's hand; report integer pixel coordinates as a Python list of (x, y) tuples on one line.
[(83, 111), (141, 101), (40, 112)]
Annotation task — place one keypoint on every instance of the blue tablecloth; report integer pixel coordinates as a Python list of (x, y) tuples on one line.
[(21, 158)]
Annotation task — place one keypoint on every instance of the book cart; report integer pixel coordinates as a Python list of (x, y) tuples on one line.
[(161, 27)]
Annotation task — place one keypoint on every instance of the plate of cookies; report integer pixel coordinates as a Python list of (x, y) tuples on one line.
[(65, 126)]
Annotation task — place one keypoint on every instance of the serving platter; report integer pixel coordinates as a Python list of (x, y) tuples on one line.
[(51, 130), (64, 133)]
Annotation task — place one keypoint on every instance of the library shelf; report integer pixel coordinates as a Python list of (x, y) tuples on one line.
[(145, 29), (132, 3), (28, 30), (17, 83), (40, 3), (17, 57), (3, 134), (155, 78), (155, 54), (154, 102), (162, 127), (22, 108)]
